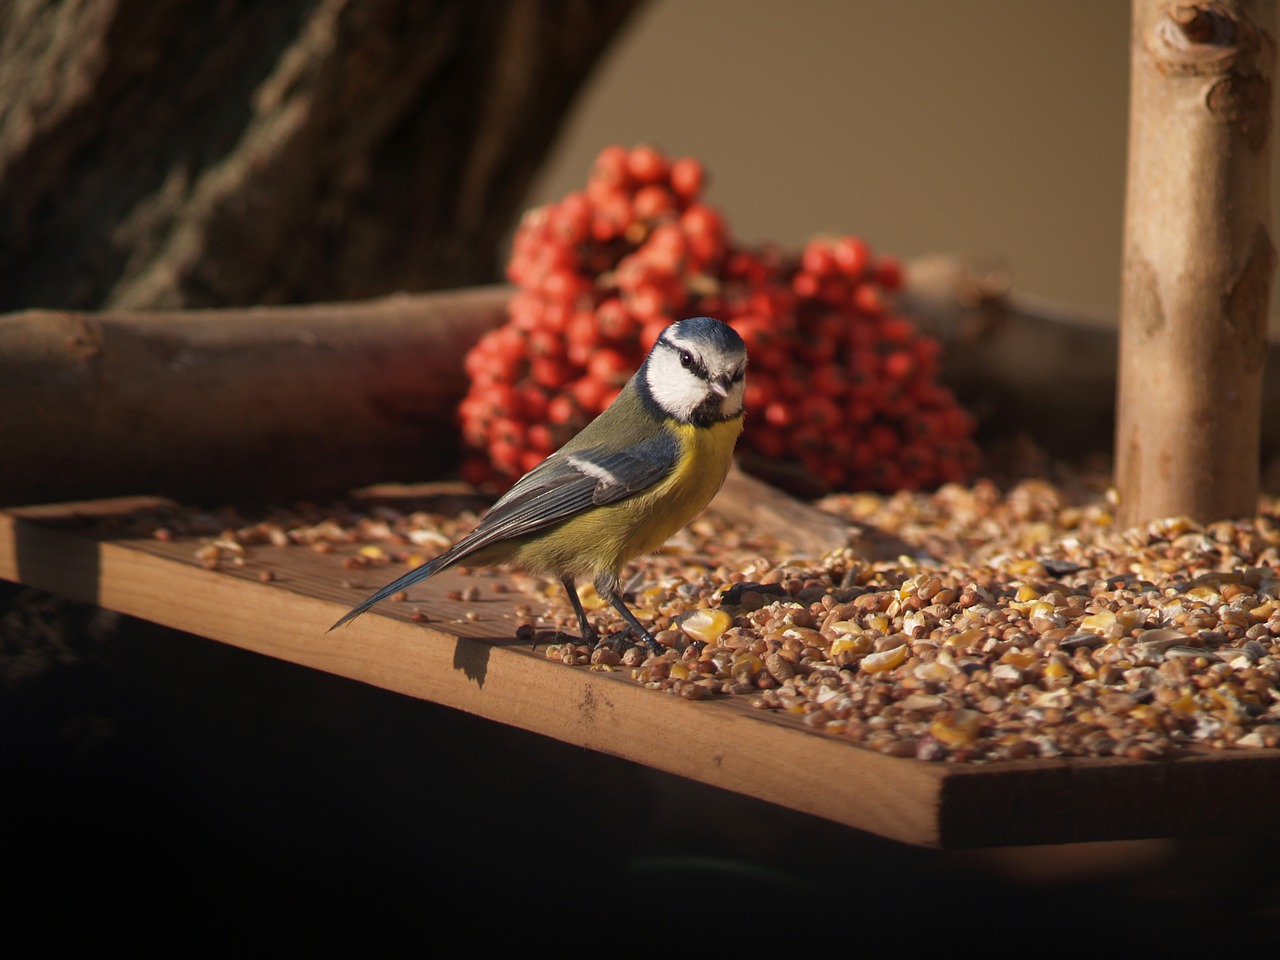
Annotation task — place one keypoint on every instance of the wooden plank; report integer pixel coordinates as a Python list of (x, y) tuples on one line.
[(88, 552)]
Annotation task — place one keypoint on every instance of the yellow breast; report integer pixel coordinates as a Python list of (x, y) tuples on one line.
[(606, 538)]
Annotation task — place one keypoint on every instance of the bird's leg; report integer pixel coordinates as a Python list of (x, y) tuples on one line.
[(643, 635), (588, 632), (607, 586)]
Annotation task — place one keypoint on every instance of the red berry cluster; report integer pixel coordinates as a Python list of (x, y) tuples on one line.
[(839, 383)]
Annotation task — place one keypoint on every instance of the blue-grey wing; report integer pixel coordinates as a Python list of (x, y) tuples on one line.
[(566, 484), (563, 485)]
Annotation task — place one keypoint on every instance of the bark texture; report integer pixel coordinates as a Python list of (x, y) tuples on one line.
[(178, 153), (220, 405), (1198, 260)]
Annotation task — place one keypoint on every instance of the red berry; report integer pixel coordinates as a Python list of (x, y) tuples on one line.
[(540, 439), (589, 393), (705, 229), (646, 165), (806, 285), (651, 330), (565, 286), (530, 459), (614, 320), (778, 414), (651, 301), (609, 367), (550, 372), (653, 202), (544, 343), (851, 256), (530, 401), (869, 299), (888, 273), (583, 330), (687, 177), (562, 408), (818, 259), (667, 248), (570, 220), (899, 364), (611, 217), (840, 385), (610, 168)]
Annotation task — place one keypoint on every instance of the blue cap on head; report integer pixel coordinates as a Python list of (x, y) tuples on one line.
[(710, 329)]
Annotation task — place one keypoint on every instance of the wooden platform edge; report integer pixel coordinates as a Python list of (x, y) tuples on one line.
[(721, 743), (488, 678)]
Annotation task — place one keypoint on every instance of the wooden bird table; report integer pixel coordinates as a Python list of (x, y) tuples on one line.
[(282, 600)]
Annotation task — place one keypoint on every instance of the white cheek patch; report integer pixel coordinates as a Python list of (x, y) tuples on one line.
[(676, 390), (731, 406)]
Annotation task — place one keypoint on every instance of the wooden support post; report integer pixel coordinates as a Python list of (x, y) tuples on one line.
[(1198, 259)]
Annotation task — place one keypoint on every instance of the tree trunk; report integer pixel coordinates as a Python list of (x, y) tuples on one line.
[(1198, 260), (177, 153)]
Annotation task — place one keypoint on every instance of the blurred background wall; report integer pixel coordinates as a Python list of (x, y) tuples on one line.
[(183, 154), (991, 126)]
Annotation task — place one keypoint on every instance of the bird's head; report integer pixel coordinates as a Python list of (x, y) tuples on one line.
[(697, 370)]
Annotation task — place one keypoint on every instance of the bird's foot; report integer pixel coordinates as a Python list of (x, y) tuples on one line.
[(619, 641), (589, 639), (647, 639)]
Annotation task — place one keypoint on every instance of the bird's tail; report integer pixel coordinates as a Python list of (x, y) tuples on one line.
[(415, 575)]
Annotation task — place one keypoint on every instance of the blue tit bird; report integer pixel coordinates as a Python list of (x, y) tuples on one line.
[(630, 479)]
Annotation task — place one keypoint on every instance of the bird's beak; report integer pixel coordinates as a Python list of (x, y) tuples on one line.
[(720, 387)]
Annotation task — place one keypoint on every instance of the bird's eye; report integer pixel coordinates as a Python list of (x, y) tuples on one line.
[(686, 359)]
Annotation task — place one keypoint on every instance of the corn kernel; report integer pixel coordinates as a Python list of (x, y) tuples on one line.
[(850, 644), (746, 666), (884, 660), (1205, 594), (966, 638), (1057, 669), (1099, 622), (1027, 568), (955, 727), (706, 626), (589, 598), (1020, 658)]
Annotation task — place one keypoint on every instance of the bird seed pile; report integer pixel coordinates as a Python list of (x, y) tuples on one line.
[(1019, 625), (1000, 624)]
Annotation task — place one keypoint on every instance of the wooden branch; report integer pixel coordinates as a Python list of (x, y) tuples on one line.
[(1026, 364), (756, 505), (1021, 364), (237, 403), (1198, 259), (314, 400)]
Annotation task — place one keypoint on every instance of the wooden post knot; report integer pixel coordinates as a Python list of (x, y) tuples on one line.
[(1204, 24), (1207, 38)]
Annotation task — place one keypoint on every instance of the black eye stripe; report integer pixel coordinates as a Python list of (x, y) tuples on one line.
[(688, 360)]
